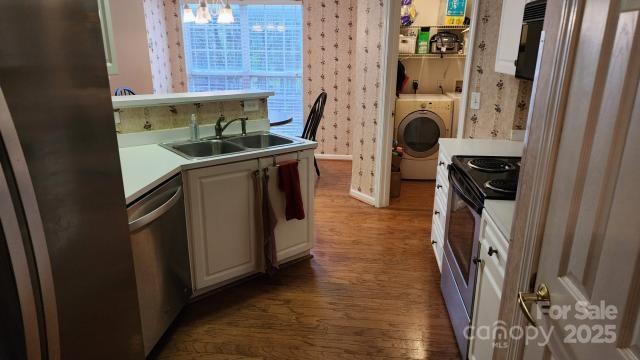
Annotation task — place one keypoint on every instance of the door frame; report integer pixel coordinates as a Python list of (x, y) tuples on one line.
[(542, 138), (385, 130)]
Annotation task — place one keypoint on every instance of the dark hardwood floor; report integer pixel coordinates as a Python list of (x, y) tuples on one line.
[(372, 290)]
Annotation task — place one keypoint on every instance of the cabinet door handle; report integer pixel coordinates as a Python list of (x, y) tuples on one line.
[(433, 242), (438, 186), (477, 261), (492, 251), (441, 163), (437, 212)]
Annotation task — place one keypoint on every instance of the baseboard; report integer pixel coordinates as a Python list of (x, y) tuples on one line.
[(333, 157), (362, 197)]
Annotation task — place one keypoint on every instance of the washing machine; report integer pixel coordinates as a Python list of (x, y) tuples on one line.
[(420, 121)]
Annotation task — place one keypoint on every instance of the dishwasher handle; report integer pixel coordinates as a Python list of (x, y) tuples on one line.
[(156, 213)]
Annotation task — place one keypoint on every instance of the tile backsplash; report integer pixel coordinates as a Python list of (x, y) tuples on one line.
[(138, 119)]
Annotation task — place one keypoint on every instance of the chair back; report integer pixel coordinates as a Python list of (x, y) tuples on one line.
[(124, 91), (315, 115)]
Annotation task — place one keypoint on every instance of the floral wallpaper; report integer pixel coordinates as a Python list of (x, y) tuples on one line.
[(367, 93), (329, 42), (140, 119), (164, 35), (504, 100)]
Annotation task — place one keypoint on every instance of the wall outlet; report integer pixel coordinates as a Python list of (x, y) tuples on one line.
[(440, 84), (475, 101), (251, 105)]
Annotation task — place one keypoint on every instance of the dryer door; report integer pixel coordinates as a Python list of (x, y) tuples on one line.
[(419, 132)]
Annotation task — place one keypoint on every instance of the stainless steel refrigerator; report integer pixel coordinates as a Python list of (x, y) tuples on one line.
[(67, 284)]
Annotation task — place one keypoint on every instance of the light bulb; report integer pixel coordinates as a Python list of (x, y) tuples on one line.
[(226, 15), (187, 14), (203, 16)]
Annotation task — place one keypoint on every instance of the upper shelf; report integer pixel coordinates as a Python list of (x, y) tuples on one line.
[(431, 56), (440, 27), (121, 102)]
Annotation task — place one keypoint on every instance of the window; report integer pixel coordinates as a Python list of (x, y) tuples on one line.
[(262, 50)]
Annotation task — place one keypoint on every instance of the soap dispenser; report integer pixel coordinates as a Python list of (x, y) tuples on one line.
[(195, 131)]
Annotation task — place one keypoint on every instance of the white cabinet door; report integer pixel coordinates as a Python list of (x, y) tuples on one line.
[(104, 12), (488, 289), (294, 237), (509, 36), (222, 223)]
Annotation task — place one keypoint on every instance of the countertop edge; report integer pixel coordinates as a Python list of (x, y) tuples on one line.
[(123, 102), (218, 160)]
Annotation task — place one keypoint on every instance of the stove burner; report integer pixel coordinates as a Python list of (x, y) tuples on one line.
[(490, 165), (504, 186)]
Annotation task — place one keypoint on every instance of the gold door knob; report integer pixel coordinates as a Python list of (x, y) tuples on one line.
[(542, 295)]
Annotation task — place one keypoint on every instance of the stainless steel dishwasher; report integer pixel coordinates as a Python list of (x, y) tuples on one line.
[(160, 254)]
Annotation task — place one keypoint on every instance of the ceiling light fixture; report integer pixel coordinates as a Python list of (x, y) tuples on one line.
[(187, 15), (226, 14), (203, 16)]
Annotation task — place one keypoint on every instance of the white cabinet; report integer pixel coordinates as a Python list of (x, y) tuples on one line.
[(493, 253), (222, 232), (294, 238), (509, 36), (223, 239), (440, 200), (104, 12)]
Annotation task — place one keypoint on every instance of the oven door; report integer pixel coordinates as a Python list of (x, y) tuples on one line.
[(462, 234)]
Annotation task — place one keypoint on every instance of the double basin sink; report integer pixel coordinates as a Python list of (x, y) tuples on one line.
[(217, 147)]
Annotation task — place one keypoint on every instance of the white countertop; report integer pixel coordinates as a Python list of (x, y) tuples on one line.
[(500, 211), (483, 147), (121, 102), (146, 166)]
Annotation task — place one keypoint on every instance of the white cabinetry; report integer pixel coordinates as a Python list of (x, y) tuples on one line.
[(440, 206), (104, 12), (224, 244), (509, 36), (294, 238), (222, 223), (493, 253)]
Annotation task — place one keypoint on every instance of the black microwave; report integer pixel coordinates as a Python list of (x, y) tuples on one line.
[(532, 23)]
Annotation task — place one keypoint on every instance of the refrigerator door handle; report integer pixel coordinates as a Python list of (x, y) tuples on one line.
[(156, 213)]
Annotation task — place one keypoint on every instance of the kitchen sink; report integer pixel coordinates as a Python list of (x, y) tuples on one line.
[(260, 141), (203, 149)]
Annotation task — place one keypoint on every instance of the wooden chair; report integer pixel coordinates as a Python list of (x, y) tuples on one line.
[(313, 121), (124, 91)]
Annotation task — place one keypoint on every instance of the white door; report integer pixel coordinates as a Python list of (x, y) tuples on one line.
[(591, 247), (293, 237), (222, 223)]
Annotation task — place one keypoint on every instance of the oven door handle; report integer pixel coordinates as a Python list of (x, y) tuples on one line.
[(458, 188)]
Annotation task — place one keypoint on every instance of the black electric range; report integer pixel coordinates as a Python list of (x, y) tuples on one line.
[(494, 177), (472, 180)]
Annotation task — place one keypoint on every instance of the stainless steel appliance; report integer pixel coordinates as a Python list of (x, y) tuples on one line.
[(471, 181), (532, 24), (161, 258), (67, 283), (445, 42)]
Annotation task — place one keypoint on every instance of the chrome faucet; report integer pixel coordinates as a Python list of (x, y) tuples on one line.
[(195, 129), (220, 129)]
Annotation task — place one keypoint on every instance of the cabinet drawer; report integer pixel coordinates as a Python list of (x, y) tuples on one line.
[(438, 247), (492, 239), (439, 211), (442, 182)]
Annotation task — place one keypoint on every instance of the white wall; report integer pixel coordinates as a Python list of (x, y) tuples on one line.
[(428, 12), (132, 47)]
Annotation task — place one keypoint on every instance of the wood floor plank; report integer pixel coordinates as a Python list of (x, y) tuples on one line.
[(372, 290)]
